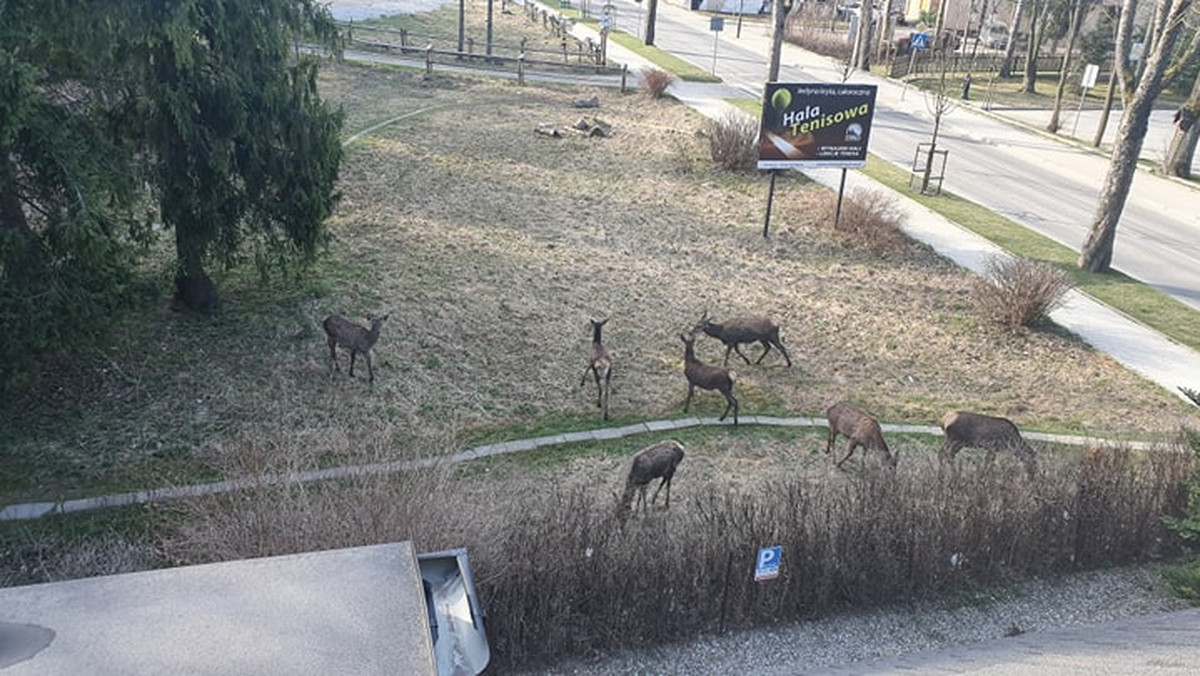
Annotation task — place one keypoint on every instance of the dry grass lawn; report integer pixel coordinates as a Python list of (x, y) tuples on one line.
[(491, 246)]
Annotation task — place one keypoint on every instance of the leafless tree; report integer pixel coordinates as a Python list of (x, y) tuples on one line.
[(1163, 63)]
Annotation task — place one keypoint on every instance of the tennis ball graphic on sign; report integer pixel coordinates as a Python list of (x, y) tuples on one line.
[(781, 100)]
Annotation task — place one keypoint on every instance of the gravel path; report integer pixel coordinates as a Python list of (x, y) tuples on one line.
[(1039, 605)]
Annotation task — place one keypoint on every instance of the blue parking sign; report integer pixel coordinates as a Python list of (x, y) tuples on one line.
[(767, 567)]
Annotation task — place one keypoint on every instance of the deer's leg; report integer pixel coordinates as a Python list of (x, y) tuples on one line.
[(353, 354), (665, 482), (766, 348), (333, 354), (370, 369), (779, 345), (654, 498), (738, 349), (730, 402), (849, 452), (735, 407), (729, 348), (607, 390), (688, 402), (832, 438), (949, 450), (586, 371)]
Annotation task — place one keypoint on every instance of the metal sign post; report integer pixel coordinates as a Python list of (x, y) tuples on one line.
[(917, 41), (716, 25), (1090, 72)]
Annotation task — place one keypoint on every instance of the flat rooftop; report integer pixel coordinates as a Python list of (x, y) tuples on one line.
[(347, 611)]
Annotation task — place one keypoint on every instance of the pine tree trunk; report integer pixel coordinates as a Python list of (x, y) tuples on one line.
[(14, 225), (194, 289)]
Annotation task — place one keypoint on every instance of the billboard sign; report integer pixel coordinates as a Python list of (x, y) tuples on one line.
[(815, 125)]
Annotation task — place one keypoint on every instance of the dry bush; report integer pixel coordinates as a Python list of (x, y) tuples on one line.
[(733, 141), (44, 557), (811, 28), (1018, 292), (571, 581), (870, 220), (655, 82)]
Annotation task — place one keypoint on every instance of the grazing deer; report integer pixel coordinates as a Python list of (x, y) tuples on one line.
[(862, 430), (744, 330), (351, 336), (600, 366), (706, 377), (992, 434), (650, 463)]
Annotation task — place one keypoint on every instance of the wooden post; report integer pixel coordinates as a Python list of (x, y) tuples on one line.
[(624, 76), (521, 68), (429, 59)]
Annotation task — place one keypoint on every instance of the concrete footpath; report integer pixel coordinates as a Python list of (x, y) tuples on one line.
[(1166, 644)]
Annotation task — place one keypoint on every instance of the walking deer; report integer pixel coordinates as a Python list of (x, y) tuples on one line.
[(744, 330), (357, 339), (706, 377), (650, 463), (862, 430), (600, 366), (975, 430)]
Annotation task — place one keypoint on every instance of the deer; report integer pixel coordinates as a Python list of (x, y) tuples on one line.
[(351, 336), (600, 366), (975, 430), (706, 377), (862, 430), (650, 463), (740, 330)]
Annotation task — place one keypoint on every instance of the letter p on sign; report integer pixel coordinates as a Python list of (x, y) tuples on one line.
[(767, 567)]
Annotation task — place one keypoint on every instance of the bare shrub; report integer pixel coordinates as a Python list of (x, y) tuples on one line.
[(1016, 292), (566, 577), (31, 557), (813, 27), (655, 82), (733, 141), (870, 220)]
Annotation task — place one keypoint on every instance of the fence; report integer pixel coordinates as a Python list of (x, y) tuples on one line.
[(929, 63), (571, 66)]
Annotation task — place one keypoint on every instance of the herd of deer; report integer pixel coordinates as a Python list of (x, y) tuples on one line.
[(962, 429)]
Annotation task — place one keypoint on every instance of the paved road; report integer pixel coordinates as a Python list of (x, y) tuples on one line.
[(1035, 179)]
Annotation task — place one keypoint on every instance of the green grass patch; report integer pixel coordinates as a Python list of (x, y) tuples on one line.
[(684, 70), (1140, 301)]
